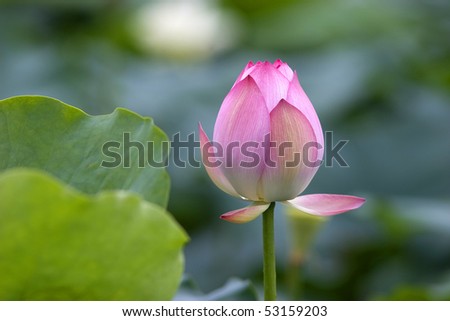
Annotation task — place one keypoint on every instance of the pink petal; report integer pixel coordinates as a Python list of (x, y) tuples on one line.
[(243, 119), (244, 72), (272, 83), (294, 166), (214, 172), (245, 214), (284, 69), (249, 69), (298, 98), (326, 204)]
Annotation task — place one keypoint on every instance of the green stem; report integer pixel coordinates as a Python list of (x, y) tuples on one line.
[(270, 274)]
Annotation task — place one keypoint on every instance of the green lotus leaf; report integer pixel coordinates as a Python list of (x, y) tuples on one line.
[(59, 244), (90, 153)]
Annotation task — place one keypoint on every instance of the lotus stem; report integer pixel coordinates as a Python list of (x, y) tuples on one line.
[(269, 270)]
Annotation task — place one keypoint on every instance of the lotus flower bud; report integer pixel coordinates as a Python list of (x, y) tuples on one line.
[(268, 144)]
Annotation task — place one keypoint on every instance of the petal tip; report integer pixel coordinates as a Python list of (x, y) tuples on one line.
[(245, 214), (358, 201), (326, 204)]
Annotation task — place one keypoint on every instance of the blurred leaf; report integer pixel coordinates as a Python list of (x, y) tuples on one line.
[(188, 290), (436, 291), (44, 133), (407, 293), (59, 244), (383, 250), (233, 290), (303, 229)]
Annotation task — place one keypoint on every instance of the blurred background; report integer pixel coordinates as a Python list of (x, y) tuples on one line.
[(377, 72)]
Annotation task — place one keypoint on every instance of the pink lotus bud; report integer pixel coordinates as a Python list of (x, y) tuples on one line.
[(268, 144)]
